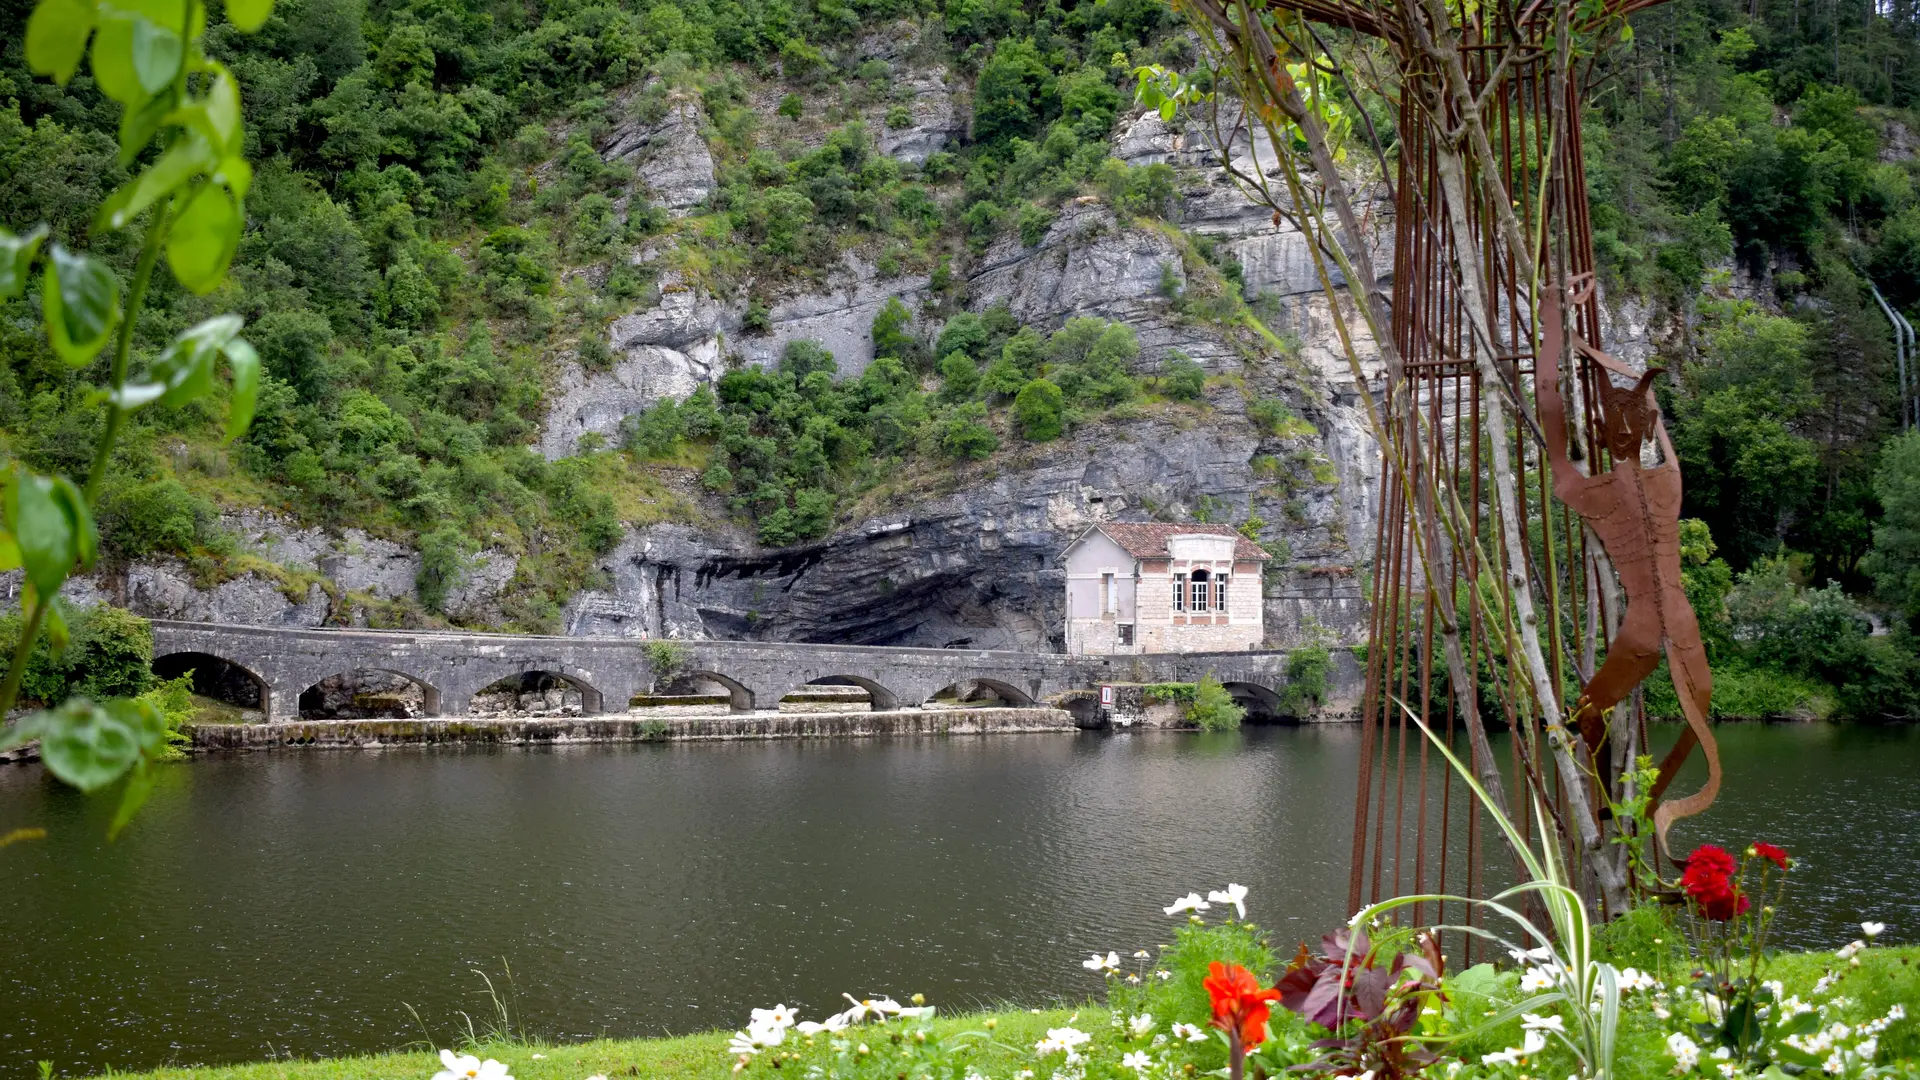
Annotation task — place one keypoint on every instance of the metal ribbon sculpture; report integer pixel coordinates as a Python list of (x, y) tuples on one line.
[(1635, 511), (1487, 592)]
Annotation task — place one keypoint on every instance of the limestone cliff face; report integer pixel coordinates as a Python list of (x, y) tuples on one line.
[(975, 560), (964, 553)]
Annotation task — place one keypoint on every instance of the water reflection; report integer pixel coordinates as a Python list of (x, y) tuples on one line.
[(295, 903)]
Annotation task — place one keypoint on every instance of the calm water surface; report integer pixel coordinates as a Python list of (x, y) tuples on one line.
[(298, 903)]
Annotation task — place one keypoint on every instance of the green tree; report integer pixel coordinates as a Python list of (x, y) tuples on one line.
[(965, 435), (1745, 470), (156, 516), (959, 378), (1894, 561), (1040, 409), (1014, 94), (1213, 708), (446, 558), (1182, 379), (1093, 360), (893, 331), (965, 333)]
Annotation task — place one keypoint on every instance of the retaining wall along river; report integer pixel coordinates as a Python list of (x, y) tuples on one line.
[(624, 729)]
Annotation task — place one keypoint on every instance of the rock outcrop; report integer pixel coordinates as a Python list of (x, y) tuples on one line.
[(316, 578), (959, 554), (670, 157), (840, 320), (978, 566)]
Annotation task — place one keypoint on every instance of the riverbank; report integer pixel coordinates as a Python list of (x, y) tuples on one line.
[(1886, 976), (701, 1056), (525, 731)]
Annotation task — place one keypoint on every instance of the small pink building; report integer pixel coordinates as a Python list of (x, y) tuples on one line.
[(1146, 587)]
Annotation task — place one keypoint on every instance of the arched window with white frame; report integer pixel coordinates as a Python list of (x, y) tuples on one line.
[(1201, 588)]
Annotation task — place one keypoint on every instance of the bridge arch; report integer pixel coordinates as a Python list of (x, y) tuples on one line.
[(539, 680), (969, 689), (879, 697), (740, 696), (314, 693), (219, 678), (1261, 702)]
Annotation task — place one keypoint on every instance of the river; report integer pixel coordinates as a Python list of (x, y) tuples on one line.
[(302, 902)]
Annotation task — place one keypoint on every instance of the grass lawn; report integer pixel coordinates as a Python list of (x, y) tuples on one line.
[(1884, 977), (684, 1057)]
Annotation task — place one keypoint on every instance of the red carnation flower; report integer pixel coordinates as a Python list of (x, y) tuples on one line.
[(1709, 882), (1240, 1006), (1774, 855), (1723, 905), (1711, 859)]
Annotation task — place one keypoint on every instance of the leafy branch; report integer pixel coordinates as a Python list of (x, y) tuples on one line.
[(180, 113)]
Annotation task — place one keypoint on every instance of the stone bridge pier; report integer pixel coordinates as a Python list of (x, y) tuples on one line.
[(450, 668)]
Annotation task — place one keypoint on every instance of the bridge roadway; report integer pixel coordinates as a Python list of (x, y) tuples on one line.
[(451, 667)]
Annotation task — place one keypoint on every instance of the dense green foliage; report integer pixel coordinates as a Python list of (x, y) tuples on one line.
[(108, 653), (1768, 140), (1213, 707), (1306, 688), (433, 227), (787, 445)]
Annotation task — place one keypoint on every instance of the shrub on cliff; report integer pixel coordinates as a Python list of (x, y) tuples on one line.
[(1040, 409)]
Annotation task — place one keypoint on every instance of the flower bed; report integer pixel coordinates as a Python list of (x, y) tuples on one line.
[(1217, 1001)]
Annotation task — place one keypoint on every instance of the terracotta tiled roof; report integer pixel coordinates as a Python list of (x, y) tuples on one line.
[(1148, 539)]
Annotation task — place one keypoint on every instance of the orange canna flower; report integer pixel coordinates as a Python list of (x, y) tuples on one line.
[(1240, 1006)]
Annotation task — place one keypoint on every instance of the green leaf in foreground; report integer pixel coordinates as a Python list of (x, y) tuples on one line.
[(57, 34), (249, 15), (81, 300), (90, 745), (202, 240), (16, 260), (50, 522)]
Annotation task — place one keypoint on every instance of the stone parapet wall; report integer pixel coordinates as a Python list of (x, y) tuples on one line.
[(450, 668)]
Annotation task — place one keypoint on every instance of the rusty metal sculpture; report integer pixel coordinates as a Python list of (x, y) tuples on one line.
[(1514, 511), (1635, 511)]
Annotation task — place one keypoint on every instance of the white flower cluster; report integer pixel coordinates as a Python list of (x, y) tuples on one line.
[(1846, 1049), (1533, 1039), (1234, 896), (1067, 1039), (1108, 965), (1633, 980), (767, 1028), (1531, 1043), (1538, 969), (468, 1067)]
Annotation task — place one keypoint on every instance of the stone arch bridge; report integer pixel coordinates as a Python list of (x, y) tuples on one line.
[(450, 667)]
